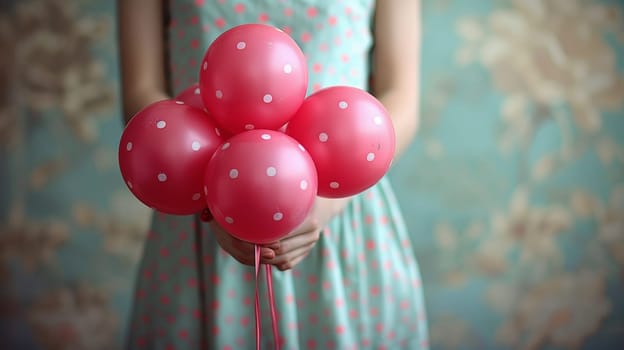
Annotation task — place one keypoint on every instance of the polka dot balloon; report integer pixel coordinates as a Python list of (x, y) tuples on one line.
[(350, 137), (163, 152), (191, 96), (260, 185), (253, 76)]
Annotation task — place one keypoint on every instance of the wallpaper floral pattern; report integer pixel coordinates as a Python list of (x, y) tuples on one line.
[(514, 190), (70, 234)]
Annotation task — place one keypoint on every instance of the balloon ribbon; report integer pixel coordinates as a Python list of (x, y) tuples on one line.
[(269, 280)]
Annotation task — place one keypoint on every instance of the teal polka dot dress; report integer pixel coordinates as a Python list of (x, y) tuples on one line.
[(359, 288)]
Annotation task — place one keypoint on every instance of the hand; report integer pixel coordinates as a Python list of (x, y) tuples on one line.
[(242, 251), (293, 248), (297, 244)]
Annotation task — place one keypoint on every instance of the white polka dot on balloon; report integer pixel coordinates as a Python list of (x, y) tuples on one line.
[(265, 137), (267, 98), (205, 65), (271, 171), (233, 173), (195, 145), (323, 137), (219, 94), (303, 185), (288, 69), (241, 45), (334, 185), (129, 146), (301, 148), (229, 220), (162, 177), (249, 127), (370, 157), (225, 146), (217, 131), (377, 120), (161, 124), (197, 91), (129, 184), (179, 102), (343, 105), (196, 197), (278, 216)]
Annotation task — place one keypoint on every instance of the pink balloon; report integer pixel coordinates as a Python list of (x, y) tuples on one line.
[(260, 185), (191, 97), (253, 76), (350, 137), (163, 153)]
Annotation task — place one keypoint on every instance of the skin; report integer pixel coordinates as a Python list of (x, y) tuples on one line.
[(395, 83)]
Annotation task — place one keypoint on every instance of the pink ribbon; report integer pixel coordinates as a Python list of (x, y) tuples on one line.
[(269, 279)]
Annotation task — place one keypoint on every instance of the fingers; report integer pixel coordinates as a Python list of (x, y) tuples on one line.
[(228, 245), (298, 239), (294, 248), (311, 224), (242, 251), (289, 260), (294, 262), (284, 254)]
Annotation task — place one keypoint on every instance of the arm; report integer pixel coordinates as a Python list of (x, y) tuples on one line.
[(396, 78), (396, 73), (142, 53), (397, 65), (396, 85)]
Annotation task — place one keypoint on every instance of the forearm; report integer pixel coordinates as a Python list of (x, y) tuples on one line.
[(142, 54), (396, 66), (402, 107), (402, 110)]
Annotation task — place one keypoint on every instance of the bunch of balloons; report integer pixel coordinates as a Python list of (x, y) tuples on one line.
[(246, 142)]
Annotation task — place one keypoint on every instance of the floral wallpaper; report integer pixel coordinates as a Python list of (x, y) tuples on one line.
[(513, 191), (515, 187), (70, 233)]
